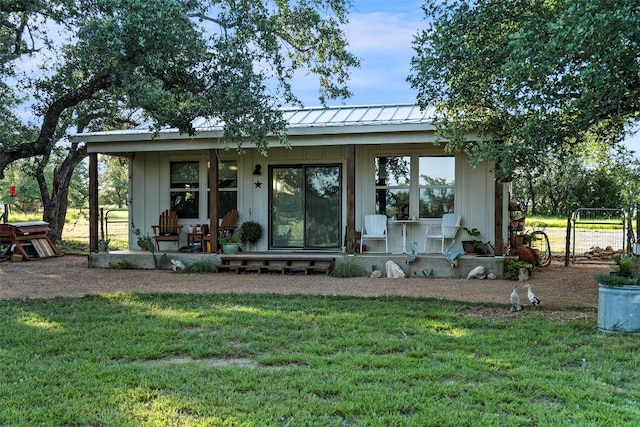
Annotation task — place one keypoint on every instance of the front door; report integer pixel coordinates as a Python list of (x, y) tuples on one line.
[(305, 206)]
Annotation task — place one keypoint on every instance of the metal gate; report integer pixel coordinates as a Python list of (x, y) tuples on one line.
[(113, 224), (597, 227)]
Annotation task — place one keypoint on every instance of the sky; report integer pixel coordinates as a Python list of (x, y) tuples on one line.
[(380, 34)]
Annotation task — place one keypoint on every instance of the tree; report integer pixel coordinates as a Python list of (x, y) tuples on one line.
[(170, 60), (532, 78), (115, 181)]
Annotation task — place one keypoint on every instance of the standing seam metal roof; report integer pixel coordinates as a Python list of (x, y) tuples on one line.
[(336, 116)]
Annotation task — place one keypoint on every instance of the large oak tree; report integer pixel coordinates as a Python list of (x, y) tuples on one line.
[(533, 78), (99, 64)]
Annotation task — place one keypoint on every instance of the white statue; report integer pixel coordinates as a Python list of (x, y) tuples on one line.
[(394, 271), (477, 273)]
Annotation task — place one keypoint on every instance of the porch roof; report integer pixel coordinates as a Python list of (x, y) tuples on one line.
[(310, 122)]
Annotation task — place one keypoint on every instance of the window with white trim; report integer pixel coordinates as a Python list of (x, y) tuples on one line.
[(436, 185), (185, 188), (393, 179), (412, 186)]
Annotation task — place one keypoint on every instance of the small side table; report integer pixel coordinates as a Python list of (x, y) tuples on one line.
[(404, 223), (193, 238)]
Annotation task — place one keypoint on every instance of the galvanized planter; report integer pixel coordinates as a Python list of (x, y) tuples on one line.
[(619, 308)]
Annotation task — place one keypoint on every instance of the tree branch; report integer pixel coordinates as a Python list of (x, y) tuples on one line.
[(50, 123)]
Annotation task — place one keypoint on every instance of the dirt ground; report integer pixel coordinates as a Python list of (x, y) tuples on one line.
[(561, 289)]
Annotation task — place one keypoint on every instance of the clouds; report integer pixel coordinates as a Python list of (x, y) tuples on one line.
[(380, 34)]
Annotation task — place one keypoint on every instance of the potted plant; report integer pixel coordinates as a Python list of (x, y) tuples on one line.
[(618, 296), (469, 245), (250, 232), (230, 242), (146, 243)]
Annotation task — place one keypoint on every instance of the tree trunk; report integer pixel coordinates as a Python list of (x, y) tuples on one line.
[(56, 203)]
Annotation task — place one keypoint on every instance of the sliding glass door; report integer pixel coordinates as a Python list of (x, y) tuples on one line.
[(305, 206)]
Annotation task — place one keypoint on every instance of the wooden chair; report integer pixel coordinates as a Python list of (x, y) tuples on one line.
[(228, 224), (168, 229)]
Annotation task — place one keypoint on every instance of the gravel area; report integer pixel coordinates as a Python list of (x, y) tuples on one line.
[(560, 288)]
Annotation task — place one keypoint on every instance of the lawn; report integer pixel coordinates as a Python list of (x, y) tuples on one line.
[(270, 360)]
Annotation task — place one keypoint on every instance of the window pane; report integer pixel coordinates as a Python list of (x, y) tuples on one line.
[(228, 174), (436, 201), (185, 203), (437, 170), (393, 202), (185, 174), (437, 185), (227, 200), (393, 171)]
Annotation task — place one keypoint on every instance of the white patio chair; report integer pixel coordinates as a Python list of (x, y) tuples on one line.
[(447, 229), (375, 228)]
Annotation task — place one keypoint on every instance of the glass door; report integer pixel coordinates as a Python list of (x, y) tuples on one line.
[(305, 206)]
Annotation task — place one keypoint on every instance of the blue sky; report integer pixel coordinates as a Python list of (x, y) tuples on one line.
[(380, 34)]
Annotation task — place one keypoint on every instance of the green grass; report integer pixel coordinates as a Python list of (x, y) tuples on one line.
[(269, 360), (561, 222)]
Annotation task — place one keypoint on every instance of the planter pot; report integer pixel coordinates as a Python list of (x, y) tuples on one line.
[(469, 246), (230, 248), (619, 308)]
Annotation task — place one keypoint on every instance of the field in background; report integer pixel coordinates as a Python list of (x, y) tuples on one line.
[(115, 228), (75, 236)]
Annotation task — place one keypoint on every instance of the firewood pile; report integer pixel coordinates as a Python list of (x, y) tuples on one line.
[(596, 253)]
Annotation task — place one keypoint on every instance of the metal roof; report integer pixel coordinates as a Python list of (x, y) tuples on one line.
[(331, 122), (344, 115)]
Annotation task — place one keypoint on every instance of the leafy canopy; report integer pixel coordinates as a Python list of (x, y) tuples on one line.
[(174, 60), (530, 77), (89, 65)]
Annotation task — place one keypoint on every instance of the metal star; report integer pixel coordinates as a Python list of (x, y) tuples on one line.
[(258, 184)]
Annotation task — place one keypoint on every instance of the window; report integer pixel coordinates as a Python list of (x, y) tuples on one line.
[(227, 186), (185, 192), (393, 179), (412, 185), (436, 185)]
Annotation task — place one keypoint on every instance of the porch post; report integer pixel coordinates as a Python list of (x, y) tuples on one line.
[(351, 245), (93, 202), (213, 200), (499, 196)]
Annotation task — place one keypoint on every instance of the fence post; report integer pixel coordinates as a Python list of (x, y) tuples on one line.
[(101, 223), (567, 244)]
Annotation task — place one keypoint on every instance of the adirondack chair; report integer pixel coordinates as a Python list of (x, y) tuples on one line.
[(228, 224), (168, 229), (375, 228), (447, 229)]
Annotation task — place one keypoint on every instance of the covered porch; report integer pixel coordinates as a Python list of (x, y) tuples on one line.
[(347, 162)]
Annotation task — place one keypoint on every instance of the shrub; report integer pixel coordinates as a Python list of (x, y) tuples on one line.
[(511, 268), (626, 272), (124, 264), (200, 266), (251, 232), (348, 267)]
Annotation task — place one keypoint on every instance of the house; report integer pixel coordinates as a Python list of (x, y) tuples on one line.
[(343, 163)]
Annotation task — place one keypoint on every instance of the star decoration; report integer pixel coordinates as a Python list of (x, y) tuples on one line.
[(258, 184)]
